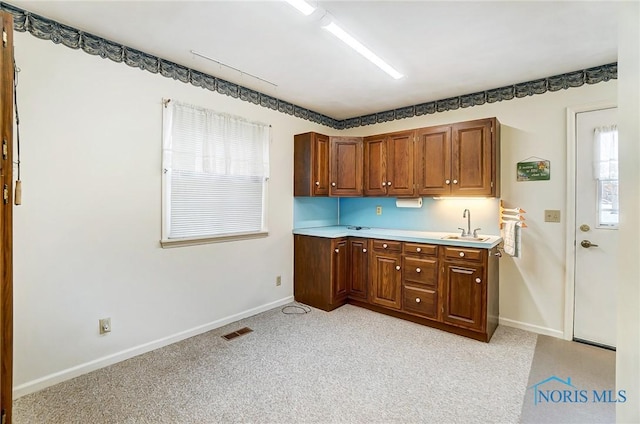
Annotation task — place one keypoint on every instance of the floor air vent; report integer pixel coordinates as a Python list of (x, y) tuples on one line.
[(238, 333)]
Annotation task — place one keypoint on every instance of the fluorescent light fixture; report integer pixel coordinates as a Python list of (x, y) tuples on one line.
[(334, 29), (305, 8)]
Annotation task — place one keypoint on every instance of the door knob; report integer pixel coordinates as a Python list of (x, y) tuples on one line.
[(587, 244)]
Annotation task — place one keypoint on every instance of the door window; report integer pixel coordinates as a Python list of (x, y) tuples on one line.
[(606, 175)]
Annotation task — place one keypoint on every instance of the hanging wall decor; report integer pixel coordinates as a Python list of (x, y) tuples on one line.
[(533, 169)]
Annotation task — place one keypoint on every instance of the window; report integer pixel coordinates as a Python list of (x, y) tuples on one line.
[(215, 176), (606, 175)]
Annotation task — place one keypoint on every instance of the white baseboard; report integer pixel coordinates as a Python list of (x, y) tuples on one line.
[(67, 374), (531, 327)]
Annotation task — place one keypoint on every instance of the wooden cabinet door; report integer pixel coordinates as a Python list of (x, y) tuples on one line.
[(386, 288), (320, 165), (399, 163), (359, 271), (340, 271), (472, 158), (375, 157), (345, 166), (433, 161), (310, 164), (463, 294)]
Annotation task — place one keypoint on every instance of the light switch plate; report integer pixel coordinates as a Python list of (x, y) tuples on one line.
[(551, 215), (378, 210)]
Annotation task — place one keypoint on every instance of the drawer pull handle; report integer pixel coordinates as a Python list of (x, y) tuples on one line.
[(317, 183), (455, 181), (389, 183), (384, 184), (478, 280), (337, 250), (385, 245), (461, 254), (418, 250), (364, 250), (418, 300), (447, 182), (398, 267), (418, 270)]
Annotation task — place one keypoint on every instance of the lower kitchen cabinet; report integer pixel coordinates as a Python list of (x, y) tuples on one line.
[(358, 276), (320, 271), (386, 273), (420, 280), (463, 294), (454, 289)]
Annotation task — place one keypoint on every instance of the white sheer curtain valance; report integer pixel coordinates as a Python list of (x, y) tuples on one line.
[(606, 153)]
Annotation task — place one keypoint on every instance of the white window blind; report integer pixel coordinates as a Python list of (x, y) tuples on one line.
[(215, 174)]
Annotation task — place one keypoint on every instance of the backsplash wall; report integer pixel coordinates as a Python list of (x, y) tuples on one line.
[(435, 215)]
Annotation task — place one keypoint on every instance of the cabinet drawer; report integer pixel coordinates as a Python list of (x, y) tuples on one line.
[(420, 270), (387, 246), (420, 301), (463, 253), (420, 249)]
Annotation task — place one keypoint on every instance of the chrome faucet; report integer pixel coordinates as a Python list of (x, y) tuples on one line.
[(467, 233)]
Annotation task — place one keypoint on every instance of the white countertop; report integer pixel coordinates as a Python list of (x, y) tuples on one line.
[(399, 235)]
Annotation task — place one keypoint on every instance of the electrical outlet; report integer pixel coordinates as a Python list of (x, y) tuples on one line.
[(105, 325), (378, 210), (278, 280), (551, 215)]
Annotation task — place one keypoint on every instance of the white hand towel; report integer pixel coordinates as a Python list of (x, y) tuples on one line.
[(509, 236)]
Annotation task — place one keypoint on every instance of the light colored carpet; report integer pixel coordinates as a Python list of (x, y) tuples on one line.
[(349, 365), (589, 367)]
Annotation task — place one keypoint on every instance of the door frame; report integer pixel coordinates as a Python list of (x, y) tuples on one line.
[(570, 247)]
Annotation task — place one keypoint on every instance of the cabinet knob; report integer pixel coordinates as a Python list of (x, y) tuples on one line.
[(478, 280), (418, 270), (447, 181), (455, 181), (385, 245), (364, 250), (333, 184), (418, 250), (397, 267), (389, 183), (337, 250), (384, 184), (418, 300), (317, 183), (461, 254)]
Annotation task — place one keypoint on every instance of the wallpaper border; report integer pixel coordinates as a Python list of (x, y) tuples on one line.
[(47, 29)]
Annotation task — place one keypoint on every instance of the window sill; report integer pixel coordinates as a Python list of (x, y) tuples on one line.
[(169, 243)]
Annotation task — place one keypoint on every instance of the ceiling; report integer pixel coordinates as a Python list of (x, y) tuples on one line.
[(444, 49)]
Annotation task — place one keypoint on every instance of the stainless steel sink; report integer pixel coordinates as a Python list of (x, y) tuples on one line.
[(460, 238)]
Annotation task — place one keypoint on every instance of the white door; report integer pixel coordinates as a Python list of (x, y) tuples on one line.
[(596, 232)]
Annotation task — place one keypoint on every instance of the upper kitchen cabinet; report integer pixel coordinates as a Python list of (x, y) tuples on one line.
[(388, 164), (433, 161), (462, 159), (345, 166), (311, 164)]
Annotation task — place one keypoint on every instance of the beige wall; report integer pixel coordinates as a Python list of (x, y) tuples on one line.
[(87, 234)]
